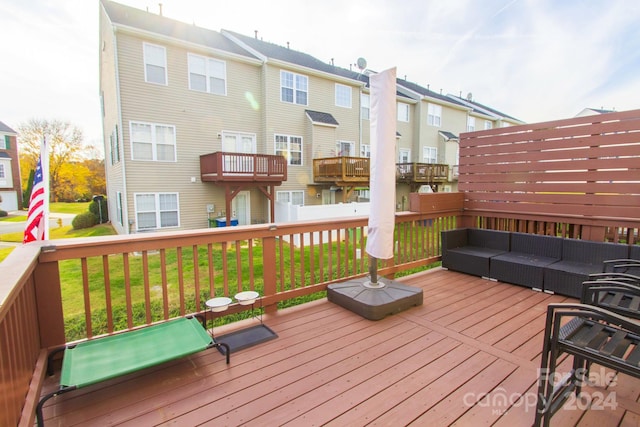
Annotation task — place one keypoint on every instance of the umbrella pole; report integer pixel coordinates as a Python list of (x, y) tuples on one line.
[(373, 270)]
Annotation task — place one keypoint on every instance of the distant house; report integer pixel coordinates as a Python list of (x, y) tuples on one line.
[(10, 188), (200, 124)]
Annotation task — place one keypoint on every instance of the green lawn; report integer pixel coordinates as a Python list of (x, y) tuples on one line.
[(56, 232)]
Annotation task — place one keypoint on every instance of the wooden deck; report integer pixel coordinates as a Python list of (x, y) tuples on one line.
[(465, 357)]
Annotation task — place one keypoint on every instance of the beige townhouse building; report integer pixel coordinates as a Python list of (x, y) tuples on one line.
[(205, 128)]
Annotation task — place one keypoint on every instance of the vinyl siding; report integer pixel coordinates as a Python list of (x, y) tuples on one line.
[(198, 119)]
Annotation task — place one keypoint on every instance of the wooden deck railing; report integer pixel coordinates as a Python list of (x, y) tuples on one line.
[(422, 172), (341, 169), (241, 167), (126, 282)]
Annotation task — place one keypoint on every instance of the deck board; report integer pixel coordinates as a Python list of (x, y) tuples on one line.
[(451, 361)]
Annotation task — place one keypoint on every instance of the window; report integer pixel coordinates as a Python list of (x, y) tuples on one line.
[(471, 124), (488, 125), (155, 64), (156, 210), (429, 155), (119, 215), (207, 74), (5, 143), (364, 106), (293, 197), (293, 88), (290, 147), (434, 115), (114, 142), (343, 96), (2, 173), (346, 148), (365, 150), (403, 112), (151, 141)]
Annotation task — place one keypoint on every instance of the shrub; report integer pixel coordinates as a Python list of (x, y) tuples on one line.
[(3, 213), (84, 220), (98, 210)]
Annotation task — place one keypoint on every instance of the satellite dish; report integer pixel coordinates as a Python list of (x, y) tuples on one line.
[(469, 96), (361, 63)]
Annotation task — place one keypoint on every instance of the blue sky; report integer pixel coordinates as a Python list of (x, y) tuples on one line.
[(536, 60)]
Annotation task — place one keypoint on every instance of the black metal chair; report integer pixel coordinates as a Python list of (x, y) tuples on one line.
[(613, 295), (591, 335)]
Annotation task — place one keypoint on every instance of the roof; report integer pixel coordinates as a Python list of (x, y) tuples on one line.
[(482, 109), (448, 135), (6, 129), (321, 118), (425, 92), (136, 18), (4, 155), (285, 54)]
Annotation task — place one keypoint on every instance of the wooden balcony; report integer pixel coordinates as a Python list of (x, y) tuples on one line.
[(341, 171), (422, 173), (242, 168)]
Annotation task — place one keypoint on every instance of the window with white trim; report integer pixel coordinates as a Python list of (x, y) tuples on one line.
[(365, 106), (429, 155), (156, 210), (155, 64), (290, 147), (4, 142), (403, 112), (153, 142), (293, 197), (365, 150), (488, 125), (471, 124), (2, 172), (343, 96), (207, 74), (434, 115), (293, 88)]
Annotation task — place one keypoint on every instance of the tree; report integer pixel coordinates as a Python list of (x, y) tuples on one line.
[(65, 144)]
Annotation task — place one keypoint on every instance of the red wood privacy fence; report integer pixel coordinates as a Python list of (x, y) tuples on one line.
[(584, 169)]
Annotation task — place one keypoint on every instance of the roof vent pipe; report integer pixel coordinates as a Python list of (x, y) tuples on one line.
[(160, 6), (256, 34)]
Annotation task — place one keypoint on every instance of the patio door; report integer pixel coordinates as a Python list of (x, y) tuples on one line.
[(241, 207), (404, 156), (235, 142)]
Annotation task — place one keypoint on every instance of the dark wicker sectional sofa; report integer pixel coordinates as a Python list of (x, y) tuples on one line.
[(553, 264)]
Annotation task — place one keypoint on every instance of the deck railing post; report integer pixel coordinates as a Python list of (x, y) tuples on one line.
[(49, 300), (269, 270)]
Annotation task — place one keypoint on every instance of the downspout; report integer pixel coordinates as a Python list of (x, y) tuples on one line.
[(125, 201)]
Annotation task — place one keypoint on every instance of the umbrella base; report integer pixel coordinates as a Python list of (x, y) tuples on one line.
[(374, 303)]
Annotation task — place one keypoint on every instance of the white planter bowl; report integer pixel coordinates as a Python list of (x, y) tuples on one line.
[(218, 304), (247, 297)]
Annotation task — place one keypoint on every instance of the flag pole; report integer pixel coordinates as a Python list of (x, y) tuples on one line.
[(44, 156)]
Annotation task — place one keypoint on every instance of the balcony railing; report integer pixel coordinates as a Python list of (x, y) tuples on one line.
[(127, 282), (422, 172), (341, 170), (241, 167)]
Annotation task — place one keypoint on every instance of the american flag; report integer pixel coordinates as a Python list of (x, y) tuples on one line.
[(37, 218)]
